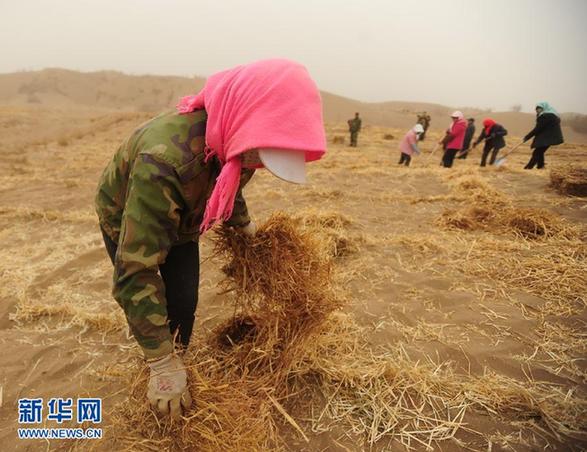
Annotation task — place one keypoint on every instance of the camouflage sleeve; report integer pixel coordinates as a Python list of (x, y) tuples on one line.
[(149, 226), (240, 213)]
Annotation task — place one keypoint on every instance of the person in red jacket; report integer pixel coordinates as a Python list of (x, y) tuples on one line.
[(454, 138), (493, 134)]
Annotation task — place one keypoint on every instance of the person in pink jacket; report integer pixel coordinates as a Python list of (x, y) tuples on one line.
[(454, 138), (409, 144)]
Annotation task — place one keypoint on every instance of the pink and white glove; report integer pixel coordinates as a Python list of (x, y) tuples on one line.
[(168, 391)]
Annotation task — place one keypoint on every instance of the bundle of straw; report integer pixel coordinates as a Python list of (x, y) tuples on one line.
[(282, 280), (528, 223), (330, 229)]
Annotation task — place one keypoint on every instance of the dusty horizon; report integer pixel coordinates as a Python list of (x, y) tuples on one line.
[(424, 102)]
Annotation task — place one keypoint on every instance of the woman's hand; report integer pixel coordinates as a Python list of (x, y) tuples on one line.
[(167, 390)]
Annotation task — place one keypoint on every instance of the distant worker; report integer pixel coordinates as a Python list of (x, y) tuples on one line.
[(546, 133), (425, 120), (409, 145), (454, 138), (354, 129), (493, 134), (469, 134)]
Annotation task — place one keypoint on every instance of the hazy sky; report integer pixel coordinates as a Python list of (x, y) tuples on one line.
[(455, 52)]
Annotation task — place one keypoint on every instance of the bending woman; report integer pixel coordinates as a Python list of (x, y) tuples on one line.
[(177, 176)]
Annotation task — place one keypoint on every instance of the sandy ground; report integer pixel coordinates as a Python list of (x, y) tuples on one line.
[(469, 298)]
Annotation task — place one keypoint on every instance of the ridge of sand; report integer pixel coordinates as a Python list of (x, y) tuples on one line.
[(112, 90)]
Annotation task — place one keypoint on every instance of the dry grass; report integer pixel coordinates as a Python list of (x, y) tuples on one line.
[(490, 210), (383, 398), (527, 223), (561, 349), (288, 361), (569, 180), (557, 273), (269, 380), (282, 282), (553, 267), (332, 230), (546, 257), (391, 397)]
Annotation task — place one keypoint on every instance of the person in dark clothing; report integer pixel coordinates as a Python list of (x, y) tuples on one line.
[(493, 134), (469, 134), (424, 119), (546, 133)]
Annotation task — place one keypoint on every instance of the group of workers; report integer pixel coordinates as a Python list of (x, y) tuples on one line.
[(458, 139)]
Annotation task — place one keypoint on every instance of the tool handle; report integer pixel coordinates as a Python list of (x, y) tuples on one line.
[(433, 151), (513, 149)]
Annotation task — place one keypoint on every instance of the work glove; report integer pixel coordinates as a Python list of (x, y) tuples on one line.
[(168, 390), (249, 230)]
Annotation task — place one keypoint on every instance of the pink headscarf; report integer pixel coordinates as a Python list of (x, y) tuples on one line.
[(266, 104)]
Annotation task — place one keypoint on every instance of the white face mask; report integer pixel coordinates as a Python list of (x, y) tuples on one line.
[(289, 165)]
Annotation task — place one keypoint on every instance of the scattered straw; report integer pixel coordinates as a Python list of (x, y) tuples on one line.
[(569, 180), (556, 272), (528, 223), (525, 222), (288, 358)]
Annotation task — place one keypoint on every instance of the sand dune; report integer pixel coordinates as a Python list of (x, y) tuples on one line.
[(109, 90)]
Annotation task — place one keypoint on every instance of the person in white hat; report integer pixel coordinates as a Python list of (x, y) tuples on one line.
[(180, 174), (454, 138), (409, 144)]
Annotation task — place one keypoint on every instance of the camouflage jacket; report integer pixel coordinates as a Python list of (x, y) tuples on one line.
[(355, 124), (152, 196), (424, 120)]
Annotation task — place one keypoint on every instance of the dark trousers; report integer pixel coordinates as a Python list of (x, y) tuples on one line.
[(354, 137), (537, 158), (488, 148), (405, 159), (449, 157), (181, 276)]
